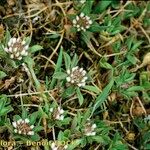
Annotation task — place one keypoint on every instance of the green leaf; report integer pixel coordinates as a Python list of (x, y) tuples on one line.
[(74, 144), (135, 88), (57, 68), (74, 61), (16, 117), (95, 27), (35, 137), (5, 110), (59, 75), (38, 128), (103, 96), (102, 6), (80, 96), (2, 74), (102, 139), (136, 45), (29, 61), (105, 64), (28, 40), (67, 60), (68, 92), (7, 38), (92, 88), (35, 48), (132, 59), (87, 7), (33, 117)]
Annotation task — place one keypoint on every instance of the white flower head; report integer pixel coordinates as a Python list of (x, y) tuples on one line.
[(55, 146), (17, 48), (77, 76), (57, 113), (22, 126), (82, 22), (90, 129)]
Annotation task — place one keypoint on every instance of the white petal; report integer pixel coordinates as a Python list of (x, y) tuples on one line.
[(74, 68), (87, 27), (10, 42), (26, 53), (19, 121), (72, 81), (77, 18), (79, 29), (23, 121), (68, 79), (53, 145), (15, 130), (90, 21), (11, 56), (87, 17), (83, 84), (57, 117), (68, 71), (74, 21), (61, 117), (18, 39), (66, 146), (81, 69), (19, 132), (10, 49), (51, 109), (17, 54), (94, 126), (79, 85), (23, 42), (19, 58), (83, 72), (82, 28), (26, 47), (93, 133), (32, 126), (61, 111), (88, 134), (85, 78), (14, 124), (58, 108), (27, 120), (14, 40), (78, 26), (30, 133), (23, 52), (15, 49), (72, 75), (82, 15), (6, 49)]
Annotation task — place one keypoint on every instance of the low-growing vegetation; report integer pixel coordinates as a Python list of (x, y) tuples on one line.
[(74, 74)]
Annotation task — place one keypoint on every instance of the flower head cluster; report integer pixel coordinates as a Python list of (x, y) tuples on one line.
[(57, 113), (82, 22), (23, 127), (54, 146), (76, 76), (90, 129), (17, 48)]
